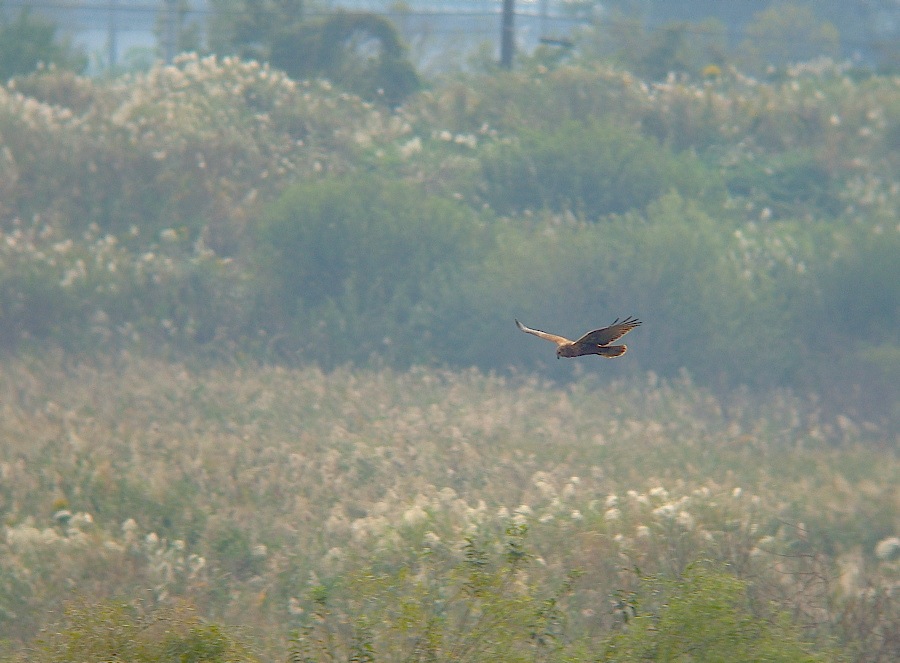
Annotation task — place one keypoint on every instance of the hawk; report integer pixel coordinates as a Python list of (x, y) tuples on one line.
[(596, 342)]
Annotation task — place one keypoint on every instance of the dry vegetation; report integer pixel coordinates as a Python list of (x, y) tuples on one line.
[(167, 236), (248, 490)]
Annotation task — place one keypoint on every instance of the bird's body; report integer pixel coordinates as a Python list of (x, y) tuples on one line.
[(595, 342)]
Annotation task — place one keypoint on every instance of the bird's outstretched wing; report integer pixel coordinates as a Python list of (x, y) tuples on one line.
[(559, 340), (609, 334)]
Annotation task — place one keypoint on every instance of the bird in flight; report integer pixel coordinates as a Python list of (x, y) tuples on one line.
[(595, 342)]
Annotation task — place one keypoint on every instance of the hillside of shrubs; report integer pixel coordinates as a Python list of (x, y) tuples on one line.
[(216, 207), (263, 398)]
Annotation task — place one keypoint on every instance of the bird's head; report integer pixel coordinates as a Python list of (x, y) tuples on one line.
[(558, 351)]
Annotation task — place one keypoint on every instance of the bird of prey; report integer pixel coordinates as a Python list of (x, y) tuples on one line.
[(595, 342)]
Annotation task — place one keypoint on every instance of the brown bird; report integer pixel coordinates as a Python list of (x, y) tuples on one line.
[(596, 342)]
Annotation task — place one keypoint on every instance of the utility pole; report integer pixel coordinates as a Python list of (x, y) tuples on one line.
[(543, 25), (507, 35), (113, 36), (171, 30)]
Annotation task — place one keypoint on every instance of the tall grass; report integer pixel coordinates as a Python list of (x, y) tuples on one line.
[(243, 489), (172, 213)]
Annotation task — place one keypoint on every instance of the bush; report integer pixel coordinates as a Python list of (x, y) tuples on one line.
[(97, 290), (703, 615), (857, 320), (115, 631), (593, 169), (191, 145), (671, 268), (351, 265), (478, 608), (791, 184), (482, 607), (128, 211)]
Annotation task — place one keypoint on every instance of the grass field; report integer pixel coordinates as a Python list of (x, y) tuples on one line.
[(254, 493)]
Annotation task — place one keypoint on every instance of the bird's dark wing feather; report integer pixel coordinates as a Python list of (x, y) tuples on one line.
[(609, 334)]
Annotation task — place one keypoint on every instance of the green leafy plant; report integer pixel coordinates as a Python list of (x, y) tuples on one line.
[(478, 608), (792, 184), (344, 256), (117, 631), (673, 48), (593, 169), (29, 41), (786, 33), (705, 614), (360, 52)]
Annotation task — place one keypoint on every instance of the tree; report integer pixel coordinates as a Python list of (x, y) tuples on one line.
[(246, 27), (361, 52), (655, 51), (28, 41), (787, 33), (185, 34)]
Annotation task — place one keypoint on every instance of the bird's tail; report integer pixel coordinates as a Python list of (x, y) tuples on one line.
[(610, 351)]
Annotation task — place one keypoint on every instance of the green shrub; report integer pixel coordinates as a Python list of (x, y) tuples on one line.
[(33, 306), (543, 275), (232, 548), (478, 608), (350, 265), (856, 323), (670, 268), (704, 615), (791, 184), (858, 283), (129, 210), (481, 607), (115, 631), (593, 169), (98, 289)]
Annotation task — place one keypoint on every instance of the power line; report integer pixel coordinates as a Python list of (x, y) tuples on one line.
[(569, 19), (144, 8)]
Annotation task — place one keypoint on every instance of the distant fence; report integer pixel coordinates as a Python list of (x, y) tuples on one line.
[(112, 31)]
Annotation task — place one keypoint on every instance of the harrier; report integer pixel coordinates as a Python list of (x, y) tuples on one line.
[(596, 342)]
